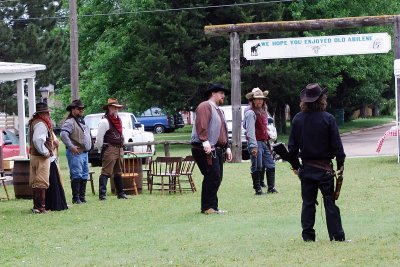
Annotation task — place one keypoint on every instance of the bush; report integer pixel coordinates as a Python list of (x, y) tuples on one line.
[(388, 107)]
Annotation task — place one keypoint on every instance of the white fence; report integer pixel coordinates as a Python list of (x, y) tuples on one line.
[(8, 121)]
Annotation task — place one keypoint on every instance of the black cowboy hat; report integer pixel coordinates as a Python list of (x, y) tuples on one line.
[(312, 92), (75, 104), (215, 87), (42, 107)]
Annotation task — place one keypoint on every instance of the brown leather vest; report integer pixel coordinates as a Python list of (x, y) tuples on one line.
[(112, 136), (49, 139)]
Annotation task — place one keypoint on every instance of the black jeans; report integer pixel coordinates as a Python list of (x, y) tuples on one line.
[(313, 178), (212, 176)]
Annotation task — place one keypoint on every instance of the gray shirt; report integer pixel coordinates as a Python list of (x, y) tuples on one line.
[(250, 120)]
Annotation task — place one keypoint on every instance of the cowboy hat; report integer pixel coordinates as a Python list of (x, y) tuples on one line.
[(112, 102), (75, 104), (257, 93), (215, 87), (311, 93), (42, 107)]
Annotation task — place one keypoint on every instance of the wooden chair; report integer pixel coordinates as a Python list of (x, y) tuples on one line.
[(129, 174), (146, 171), (167, 170), (90, 179), (4, 178), (187, 168)]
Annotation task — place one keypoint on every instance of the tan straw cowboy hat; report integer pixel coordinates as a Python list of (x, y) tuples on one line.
[(257, 93), (112, 102)]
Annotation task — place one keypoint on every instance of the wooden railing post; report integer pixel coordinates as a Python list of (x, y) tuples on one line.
[(166, 149)]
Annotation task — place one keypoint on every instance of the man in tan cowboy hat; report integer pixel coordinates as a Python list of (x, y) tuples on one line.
[(256, 122), (209, 142), (75, 134), (41, 152), (315, 138), (110, 142)]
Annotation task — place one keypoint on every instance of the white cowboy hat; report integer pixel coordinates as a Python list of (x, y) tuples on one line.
[(257, 93)]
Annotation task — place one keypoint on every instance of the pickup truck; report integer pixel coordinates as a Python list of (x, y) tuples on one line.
[(132, 130), (156, 120)]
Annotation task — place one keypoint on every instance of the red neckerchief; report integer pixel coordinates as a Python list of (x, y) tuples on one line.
[(46, 120), (116, 121)]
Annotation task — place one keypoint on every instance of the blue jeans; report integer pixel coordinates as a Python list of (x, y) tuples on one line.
[(78, 165), (263, 159)]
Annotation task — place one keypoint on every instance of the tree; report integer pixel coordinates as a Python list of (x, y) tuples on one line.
[(31, 33), (163, 58)]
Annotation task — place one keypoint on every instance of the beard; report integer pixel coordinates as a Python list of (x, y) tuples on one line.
[(220, 102)]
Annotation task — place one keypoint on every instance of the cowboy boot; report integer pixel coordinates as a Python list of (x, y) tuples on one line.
[(102, 187), (82, 190), (42, 200), (256, 183), (36, 200), (75, 191), (271, 181), (262, 184), (119, 187)]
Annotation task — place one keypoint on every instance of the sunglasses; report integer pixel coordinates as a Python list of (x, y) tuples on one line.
[(80, 109)]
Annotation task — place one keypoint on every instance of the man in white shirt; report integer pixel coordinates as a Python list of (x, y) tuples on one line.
[(42, 145), (110, 142)]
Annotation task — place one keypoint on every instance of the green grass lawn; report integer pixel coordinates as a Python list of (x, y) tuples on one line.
[(169, 230)]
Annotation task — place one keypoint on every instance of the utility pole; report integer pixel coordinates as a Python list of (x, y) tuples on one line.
[(74, 63)]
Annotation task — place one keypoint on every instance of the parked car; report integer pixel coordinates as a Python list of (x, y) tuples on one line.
[(178, 120), (132, 130), (228, 116), (156, 120), (9, 144)]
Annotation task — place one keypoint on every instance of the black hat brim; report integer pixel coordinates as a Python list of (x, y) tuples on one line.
[(307, 99)]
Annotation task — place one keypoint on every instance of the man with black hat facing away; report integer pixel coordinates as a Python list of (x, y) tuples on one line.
[(256, 121), (110, 142), (76, 136), (209, 143), (41, 149), (315, 139)]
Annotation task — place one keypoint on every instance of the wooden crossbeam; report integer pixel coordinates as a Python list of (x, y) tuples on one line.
[(299, 25)]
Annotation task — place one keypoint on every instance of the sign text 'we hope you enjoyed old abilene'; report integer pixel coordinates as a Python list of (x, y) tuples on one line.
[(317, 46)]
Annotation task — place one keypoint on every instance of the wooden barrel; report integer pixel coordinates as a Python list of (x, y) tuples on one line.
[(22, 189)]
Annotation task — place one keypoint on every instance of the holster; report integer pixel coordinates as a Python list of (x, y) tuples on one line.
[(209, 159), (103, 149), (338, 187)]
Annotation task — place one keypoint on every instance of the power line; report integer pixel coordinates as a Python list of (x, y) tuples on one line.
[(158, 10)]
